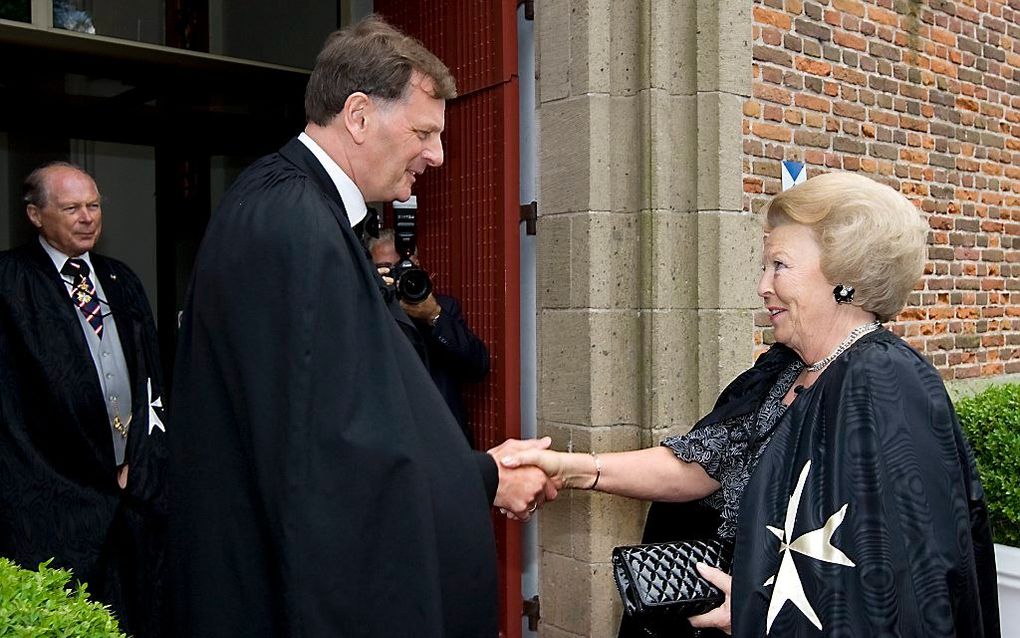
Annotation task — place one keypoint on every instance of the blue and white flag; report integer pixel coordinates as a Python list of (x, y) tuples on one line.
[(793, 173)]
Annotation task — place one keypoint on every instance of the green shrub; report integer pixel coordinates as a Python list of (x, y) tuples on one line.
[(991, 421), (37, 605)]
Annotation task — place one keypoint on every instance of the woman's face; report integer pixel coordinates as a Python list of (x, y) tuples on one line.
[(796, 293)]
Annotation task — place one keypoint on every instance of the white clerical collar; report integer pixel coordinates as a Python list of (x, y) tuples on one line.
[(353, 200), (59, 258)]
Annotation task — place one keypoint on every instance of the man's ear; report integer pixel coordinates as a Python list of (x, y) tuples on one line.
[(357, 110), (34, 215)]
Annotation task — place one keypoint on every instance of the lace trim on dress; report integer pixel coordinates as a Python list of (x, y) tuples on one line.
[(722, 449)]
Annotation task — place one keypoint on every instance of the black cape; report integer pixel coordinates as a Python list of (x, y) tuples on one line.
[(320, 485), (58, 488), (886, 475), (870, 483)]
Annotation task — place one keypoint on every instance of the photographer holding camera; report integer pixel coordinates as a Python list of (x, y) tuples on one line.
[(453, 354)]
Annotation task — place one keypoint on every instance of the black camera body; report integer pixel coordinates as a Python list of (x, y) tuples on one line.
[(412, 283)]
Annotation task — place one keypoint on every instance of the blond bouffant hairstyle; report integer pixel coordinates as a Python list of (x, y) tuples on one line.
[(871, 237)]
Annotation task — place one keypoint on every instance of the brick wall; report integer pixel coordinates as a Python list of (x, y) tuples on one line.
[(924, 96)]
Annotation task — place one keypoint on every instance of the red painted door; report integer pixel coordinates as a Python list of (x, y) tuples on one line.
[(468, 217)]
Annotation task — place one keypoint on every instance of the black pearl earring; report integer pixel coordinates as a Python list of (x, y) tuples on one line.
[(843, 294)]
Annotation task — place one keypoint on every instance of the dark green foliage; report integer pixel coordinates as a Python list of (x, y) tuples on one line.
[(991, 421), (19, 10), (36, 604)]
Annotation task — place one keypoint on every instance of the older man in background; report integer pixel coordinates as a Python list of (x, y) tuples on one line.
[(82, 449)]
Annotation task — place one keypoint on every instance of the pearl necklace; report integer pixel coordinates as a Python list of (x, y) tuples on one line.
[(854, 335)]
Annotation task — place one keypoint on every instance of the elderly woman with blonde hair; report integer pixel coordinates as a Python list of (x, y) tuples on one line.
[(836, 464)]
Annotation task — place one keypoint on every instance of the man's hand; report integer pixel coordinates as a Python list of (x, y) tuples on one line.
[(521, 491), (423, 311), (719, 617), (122, 476), (384, 272)]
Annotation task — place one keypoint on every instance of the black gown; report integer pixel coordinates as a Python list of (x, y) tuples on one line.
[(321, 486), (865, 515), (870, 483), (59, 496)]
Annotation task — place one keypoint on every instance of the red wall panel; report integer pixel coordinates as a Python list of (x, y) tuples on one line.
[(468, 216)]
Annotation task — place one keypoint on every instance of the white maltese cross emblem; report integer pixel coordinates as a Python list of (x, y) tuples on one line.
[(154, 420), (816, 544)]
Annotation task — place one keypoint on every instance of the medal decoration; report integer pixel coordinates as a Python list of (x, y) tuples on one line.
[(154, 420), (118, 423)]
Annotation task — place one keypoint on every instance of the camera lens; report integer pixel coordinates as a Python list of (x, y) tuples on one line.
[(414, 285)]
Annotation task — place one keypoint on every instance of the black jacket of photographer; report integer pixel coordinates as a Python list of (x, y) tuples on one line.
[(455, 356)]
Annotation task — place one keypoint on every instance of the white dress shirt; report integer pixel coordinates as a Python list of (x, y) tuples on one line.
[(351, 195)]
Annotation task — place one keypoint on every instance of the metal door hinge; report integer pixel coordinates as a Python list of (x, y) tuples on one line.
[(531, 612), (529, 215), (529, 8)]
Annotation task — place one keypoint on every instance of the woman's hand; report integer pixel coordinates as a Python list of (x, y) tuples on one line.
[(652, 474), (564, 469), (718, 618)]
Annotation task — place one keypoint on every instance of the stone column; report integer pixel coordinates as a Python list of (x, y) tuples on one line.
[(647, 264)]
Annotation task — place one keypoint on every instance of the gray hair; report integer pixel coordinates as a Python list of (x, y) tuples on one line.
[(385, 237), (34, 189)]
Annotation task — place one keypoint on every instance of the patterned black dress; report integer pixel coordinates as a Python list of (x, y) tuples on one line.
[(729, 450)]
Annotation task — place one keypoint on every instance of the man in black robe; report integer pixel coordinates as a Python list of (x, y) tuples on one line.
[(321, 487), (82, 449)]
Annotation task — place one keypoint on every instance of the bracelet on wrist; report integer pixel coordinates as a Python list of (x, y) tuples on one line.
[(598, 470)]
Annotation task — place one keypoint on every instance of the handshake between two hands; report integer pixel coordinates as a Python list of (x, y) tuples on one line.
[(528, 476)]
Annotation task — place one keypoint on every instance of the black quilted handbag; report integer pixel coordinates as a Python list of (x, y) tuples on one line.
[(659, 582)]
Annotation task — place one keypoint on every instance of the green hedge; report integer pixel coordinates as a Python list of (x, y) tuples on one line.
[(37, 604), (991, 421)]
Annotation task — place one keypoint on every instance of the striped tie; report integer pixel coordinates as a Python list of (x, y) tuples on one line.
[(83, 293)]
